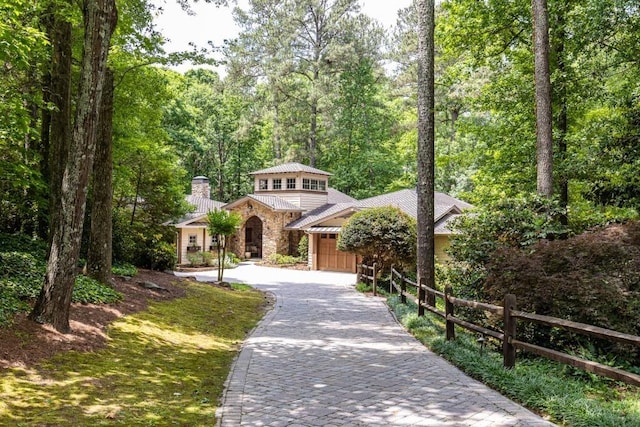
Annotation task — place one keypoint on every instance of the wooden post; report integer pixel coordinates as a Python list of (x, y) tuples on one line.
[(403, 290), (358, 273), (421, 295), (508, 350), (449, 311), (375, 279), (391, 287)]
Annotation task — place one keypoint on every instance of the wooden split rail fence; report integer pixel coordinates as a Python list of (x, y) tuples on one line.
[(425, 298)]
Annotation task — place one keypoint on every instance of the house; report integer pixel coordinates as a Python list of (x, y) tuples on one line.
[(292, 200)]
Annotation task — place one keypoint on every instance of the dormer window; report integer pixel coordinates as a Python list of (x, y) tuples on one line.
[(291, 183), (263, 184), (314, 184), (277, 184)]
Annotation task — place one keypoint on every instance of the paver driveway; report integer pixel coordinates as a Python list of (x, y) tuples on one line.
[(329, 356)]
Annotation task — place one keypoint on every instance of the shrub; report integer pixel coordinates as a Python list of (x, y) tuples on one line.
[(508, 223), (592, 278), (279, 259), (124, 269), (196, 258), (385, 235), (303, 247)]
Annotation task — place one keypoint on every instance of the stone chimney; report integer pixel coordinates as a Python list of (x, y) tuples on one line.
[(200, 187)]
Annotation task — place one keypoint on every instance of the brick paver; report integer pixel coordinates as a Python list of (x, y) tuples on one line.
[(329, 356)]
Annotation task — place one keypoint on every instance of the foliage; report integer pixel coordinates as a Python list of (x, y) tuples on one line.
[(385, 235), (200, 258), (141, 244), (541, 385), (88, 290), (593, 278), (279, 259), (303, 247), (510, 222), (22, 269), (124, 269), (195, 350), (212, 124)]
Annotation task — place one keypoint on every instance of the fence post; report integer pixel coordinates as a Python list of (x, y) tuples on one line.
[(449, 311), (358, 273), (421, 295), (391, 286), (403, 289), (375, 279), (508, 350)]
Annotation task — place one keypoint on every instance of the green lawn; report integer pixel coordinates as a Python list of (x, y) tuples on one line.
[(164, 366)]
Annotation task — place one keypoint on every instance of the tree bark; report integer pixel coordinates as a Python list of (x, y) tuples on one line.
[(544, 136), (426, 141), (53, 303), (100, 243), (563, 116), (60, 131)]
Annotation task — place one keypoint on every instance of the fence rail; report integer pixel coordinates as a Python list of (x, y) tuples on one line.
[(425, 298)]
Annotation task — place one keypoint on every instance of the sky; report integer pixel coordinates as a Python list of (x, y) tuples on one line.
[(215, 24)]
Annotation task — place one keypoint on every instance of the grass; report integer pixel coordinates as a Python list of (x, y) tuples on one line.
[(568, 396), (164, 366)]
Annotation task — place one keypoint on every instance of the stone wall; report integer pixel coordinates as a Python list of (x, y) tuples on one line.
[(275, 239)]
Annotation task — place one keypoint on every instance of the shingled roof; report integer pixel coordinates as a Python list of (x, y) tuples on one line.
[(446, 209), (290, 168)]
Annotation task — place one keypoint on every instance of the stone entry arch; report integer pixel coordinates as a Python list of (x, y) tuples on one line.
[(253, 237)]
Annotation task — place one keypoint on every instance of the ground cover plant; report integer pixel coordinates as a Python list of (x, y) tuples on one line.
[(22, 269), (163, 366), (565, 395)]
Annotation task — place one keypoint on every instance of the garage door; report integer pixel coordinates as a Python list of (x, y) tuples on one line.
[(330, 258)]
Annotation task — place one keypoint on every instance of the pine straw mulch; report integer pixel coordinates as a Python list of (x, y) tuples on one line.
[(24, 343)]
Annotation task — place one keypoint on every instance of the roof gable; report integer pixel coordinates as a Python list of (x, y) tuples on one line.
[(272, 202)]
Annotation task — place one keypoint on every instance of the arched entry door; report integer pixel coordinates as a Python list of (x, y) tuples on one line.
[(253, 237)]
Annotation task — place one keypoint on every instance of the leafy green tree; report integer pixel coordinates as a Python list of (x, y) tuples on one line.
[(385, 235), (212, 124), (222, 224), (299, 46), (361, 152)]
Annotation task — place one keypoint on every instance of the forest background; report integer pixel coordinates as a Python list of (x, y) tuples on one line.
[(320, 83)]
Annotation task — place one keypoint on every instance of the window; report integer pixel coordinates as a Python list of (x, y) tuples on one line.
[(291, 183), (214, 240), (314, 184), (306, 185), (193, 240), (277, 184), (263, 184), (332, 236), (322, 185)]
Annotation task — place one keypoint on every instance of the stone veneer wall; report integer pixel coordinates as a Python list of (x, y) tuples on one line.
[(275, 239)]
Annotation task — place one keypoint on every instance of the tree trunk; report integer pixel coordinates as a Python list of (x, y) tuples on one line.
[(60, 131), (54, 300), (426, 141), (313, 132), (563, 120), (544, 136), (100, 242)]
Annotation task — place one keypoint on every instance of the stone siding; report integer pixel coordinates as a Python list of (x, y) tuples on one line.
[(275, 239)]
